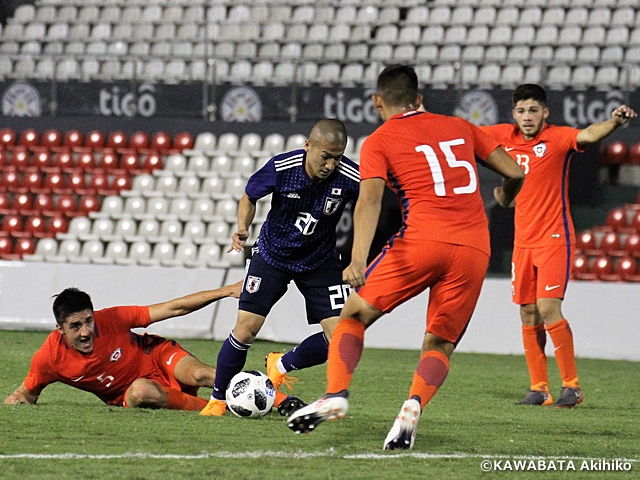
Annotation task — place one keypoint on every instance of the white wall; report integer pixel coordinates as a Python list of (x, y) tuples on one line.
[(604, 316)]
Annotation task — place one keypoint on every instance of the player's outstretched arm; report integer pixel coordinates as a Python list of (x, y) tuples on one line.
[(22, 396), (246, 213), (513, 177), (597, 131), (191, 303), (365, 221)]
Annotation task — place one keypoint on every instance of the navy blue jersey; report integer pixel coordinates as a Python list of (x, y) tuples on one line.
[(299, 233)]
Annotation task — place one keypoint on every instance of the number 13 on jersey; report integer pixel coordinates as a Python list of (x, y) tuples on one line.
[(453, 162)]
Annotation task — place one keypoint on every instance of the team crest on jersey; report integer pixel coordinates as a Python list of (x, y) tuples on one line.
[(115, 356), (331, 205), (253, 284), (540, 149)]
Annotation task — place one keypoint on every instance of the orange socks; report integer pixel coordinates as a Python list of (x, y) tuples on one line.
[(430, 373), (562, 337), (345, 350), (177, 400), (535, 339)]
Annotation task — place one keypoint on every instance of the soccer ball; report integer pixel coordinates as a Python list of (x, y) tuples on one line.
[(250, 394)]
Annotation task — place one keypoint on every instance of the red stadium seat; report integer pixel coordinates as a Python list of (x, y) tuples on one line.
[(602, 266), (153, 161), (43, 202), (21, 203), (631, 244), (586, 242), (12, 223), (99, 183), (42, 160), (24, 246), (122, 181), (29, 138), (183, 141), (139, 141), (617, 219), (73, 139), (20, 157), (77, 182), (94, 140), (9, 180), (63, 160), (51, 138), (634, 154), (87, 203), (7, 138), (108, 162), (616, 153), (34, 225), (130, 162), (161, 141), (5, 204), (86, 161), (627, 269), (57, 224), (32, 181), (66, 203), (610, 244), (54, 182), (117, 140), (580, 270), (634, 221), (6, 247)]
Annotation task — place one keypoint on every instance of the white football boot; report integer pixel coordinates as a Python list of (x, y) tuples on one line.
[(326, 408), (403, 433)]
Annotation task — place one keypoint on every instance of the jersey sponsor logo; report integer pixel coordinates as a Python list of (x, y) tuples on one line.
[(171, 358), (253, 284), (331, 205), (478, 107), (508, 149), (540, 149), (77, 379), (552, 287), (241, 104), (293, 195), (115, 356), (306, 223)]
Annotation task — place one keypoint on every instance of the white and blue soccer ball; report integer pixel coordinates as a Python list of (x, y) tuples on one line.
[(250, 394)]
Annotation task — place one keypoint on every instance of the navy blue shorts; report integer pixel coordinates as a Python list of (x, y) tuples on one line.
[(323, 290)]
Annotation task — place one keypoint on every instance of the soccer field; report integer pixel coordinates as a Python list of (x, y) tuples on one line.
[(472, 424)]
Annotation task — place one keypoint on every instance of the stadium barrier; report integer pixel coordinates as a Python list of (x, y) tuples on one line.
[(603, 315)]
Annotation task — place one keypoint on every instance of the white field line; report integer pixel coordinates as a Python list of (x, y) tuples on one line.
[(295, 455)]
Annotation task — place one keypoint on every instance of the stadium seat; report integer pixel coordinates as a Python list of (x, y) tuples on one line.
[(147, 229), (44, 247), (617, 219), (6, 248), (631, 244), (23, 246), (626, 269), (212, 186), (189, 185), (137, 252), (68, 249), (616, 153), (157, 206), (12, 223), (219, 232), (125, 228), (208, 255), (182, 141)]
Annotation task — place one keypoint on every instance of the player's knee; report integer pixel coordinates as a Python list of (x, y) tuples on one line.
[(144, 393), (529, 314), (204, 376)]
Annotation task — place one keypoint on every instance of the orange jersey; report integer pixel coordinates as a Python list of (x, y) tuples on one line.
[(429, 161), (542, 216), (119, 356)]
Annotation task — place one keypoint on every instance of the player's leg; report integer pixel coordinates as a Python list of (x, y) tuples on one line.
[(345, 351), (452, 300), (256, 300), (555, 264), (523, 285), (147, 393)]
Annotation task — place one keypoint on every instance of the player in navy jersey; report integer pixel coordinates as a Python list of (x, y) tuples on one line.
[(310, 188)]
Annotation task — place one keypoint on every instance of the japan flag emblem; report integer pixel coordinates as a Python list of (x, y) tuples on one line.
[(253, 284)]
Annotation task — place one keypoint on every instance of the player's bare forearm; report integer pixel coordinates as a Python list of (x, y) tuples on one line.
[(22, 396), (598, 131), (246, 214), (365, 221), (193, 302), (513, 176)]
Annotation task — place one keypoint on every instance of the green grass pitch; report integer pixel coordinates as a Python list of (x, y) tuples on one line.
[(473, 418)]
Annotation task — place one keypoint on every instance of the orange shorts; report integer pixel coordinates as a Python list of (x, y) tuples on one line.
[(454, 274), (541, 272), (165, 355)]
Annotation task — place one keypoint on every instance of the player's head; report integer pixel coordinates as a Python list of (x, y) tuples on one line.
[(73, 311), (325, 147), (397, 91), (530, 109)]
